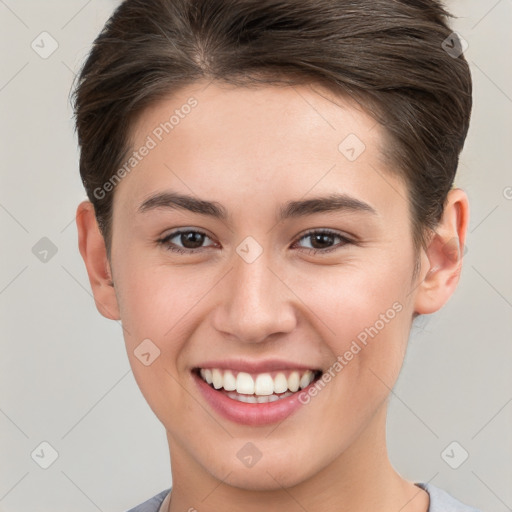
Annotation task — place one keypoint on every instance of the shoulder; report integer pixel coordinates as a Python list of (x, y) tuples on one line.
[(441, 501), (153, 504)]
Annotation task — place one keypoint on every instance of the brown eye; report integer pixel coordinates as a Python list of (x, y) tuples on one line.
[(322, 240), (190, 240)]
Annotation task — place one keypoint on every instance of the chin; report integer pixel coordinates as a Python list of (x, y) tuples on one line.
[(264, 479), (267, 474)]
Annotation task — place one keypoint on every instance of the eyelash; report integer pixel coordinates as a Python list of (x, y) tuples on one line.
[(167, 245)]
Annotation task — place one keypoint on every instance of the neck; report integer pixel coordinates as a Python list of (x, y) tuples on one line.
[(360, 478)]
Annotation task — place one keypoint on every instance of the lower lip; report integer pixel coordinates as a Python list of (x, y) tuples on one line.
[(250, 414)]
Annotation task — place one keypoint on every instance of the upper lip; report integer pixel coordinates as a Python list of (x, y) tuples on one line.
[(262, 366)]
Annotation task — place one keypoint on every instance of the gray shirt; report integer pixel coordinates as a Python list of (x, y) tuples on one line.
[(440, 501)]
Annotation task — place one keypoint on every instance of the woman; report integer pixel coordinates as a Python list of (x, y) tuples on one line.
[(271, 207)]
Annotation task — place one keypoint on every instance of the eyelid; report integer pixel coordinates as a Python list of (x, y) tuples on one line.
[(164, 240), (346, 240), (185, 229)]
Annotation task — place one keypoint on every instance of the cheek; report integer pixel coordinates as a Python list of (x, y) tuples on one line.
[(347, 299), (363, 316), (154, 300), (156, 304)]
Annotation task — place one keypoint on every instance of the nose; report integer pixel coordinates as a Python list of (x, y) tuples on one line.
[(255, 302)]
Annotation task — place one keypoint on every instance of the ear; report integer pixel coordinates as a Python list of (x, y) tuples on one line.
[(443, 257), (92, 248)]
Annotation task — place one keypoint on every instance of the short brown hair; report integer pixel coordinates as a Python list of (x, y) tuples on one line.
[(389, 55)]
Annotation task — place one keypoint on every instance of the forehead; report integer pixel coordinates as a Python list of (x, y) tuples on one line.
[(253, 116), (251, 143)]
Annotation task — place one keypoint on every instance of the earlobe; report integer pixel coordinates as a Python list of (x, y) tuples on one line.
[(92, 248), (442, 262)]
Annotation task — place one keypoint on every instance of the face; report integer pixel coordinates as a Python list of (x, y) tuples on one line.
[(303, 261)]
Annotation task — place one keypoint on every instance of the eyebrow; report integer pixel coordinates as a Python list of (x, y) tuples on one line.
[(292, 209)]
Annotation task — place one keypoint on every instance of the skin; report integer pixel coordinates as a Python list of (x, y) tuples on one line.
[(252, 150)]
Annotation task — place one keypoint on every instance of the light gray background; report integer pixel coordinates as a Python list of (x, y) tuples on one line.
[(64, 374)]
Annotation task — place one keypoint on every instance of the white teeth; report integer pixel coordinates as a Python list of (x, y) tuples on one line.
[(306, 379), (207, 375), (257, 399), (280, 383), (217, 379), (244, 384), (293, 381), (229, 381), (263, 385)]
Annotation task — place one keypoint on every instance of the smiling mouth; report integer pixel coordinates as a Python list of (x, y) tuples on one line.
[(259, 387)]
